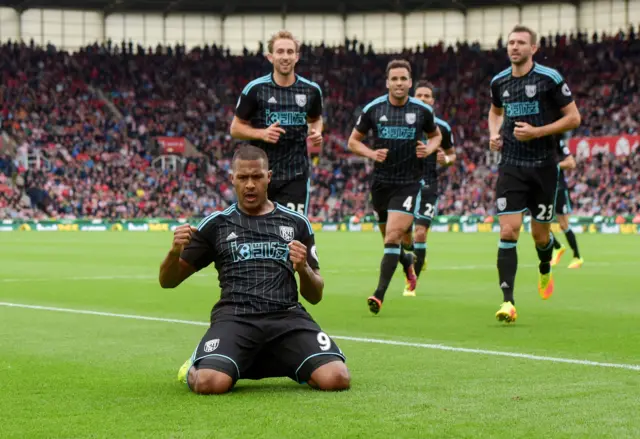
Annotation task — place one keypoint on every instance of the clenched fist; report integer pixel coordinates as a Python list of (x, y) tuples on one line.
[(182, 238), (298, 255)]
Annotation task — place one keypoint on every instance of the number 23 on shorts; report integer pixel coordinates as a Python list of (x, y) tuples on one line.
[(545, 213)]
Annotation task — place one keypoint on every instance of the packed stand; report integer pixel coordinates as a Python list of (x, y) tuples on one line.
[(169, 92)]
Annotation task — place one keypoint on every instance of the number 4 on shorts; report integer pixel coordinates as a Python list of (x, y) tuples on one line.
[(408, 203)]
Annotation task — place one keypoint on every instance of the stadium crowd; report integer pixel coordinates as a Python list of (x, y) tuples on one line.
[(93, 116)]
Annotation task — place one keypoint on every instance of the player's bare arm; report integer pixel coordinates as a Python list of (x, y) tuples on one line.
[(568, 163), (174, 270), (357, 147), (425, 150), (315, 130), (570, 120), (311, 283), (496, 118), (446, 159), (242, 130)]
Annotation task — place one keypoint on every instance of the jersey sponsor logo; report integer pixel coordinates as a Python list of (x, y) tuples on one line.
[(276, 251), (530, 90), (301, 100), (212, 345), (410, 118), (287, 233), (396, 133), (286, 118), (517, 109)]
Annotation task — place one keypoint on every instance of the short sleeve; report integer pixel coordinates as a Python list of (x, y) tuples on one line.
[(316, 103), (447, 137), (495, 95), (364, 124), (305, 236), (429, 125), (247, 104), (312, 252), (561, 94), (200, 253)]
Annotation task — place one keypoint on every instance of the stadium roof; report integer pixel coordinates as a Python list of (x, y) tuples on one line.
[(226, 7)]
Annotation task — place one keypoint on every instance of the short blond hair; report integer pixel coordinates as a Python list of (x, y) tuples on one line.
[(282, 35)]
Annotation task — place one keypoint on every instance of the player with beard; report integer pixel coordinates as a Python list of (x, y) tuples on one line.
[(398, 123), (531, 107), (258, 327), (278, 112)]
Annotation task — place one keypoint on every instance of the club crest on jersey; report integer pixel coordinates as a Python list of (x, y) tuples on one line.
[(287, 233), (410, 118), (301, 100), (502, 203), (530, 90), (212, 345)]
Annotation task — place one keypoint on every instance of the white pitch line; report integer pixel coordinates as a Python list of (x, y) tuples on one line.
[(356, 270), (342, 337)]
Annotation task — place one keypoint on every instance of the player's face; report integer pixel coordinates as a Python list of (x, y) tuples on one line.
[(399, 82), (425, 94), (519, 48), (284, 56), (250, 179)]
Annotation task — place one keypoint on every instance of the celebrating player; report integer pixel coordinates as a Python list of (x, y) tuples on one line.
[(563, 209), (398, 123), (427, 208), (531, 106), (258, 327), (277, 113)]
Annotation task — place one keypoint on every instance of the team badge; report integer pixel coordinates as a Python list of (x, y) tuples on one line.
[(502, 203), (530, 90), (410, 118), (301, 100), (211, 345), (286, 232)]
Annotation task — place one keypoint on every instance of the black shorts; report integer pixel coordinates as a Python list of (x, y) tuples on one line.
[(293, 194), (394, 198), (520, 188), (427, 207), (280, 344), (563, 202)]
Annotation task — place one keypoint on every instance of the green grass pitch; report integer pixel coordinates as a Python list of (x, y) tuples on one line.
[(86, 375)]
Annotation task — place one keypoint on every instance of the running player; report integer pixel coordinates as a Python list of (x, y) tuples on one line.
[(563, 210), (399, 123), (278, 113), (428, 207), (531, 106)]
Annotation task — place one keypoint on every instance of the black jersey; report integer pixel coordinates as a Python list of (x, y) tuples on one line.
[(429, 165), (563, 152), (251, 255), (398, 129), (537, 99), (263, 103)]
